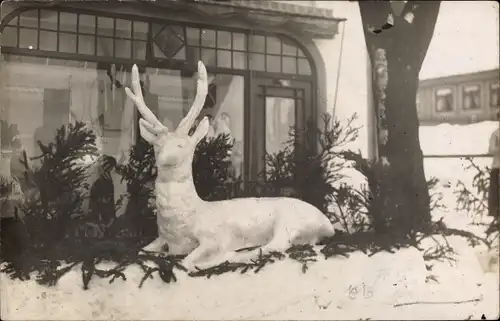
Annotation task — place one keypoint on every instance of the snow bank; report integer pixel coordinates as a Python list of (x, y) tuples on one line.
[(337, 288), (445, 138)]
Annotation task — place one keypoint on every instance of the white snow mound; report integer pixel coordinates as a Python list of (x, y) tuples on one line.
[(338, 288)]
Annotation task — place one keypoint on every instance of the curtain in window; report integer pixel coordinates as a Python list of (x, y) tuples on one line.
[(280, 116), (84, 100)]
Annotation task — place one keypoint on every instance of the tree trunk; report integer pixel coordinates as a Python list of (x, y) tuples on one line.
[(397, 46)]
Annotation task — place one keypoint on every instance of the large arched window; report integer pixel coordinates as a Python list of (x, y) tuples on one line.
[(88, 36), (69, 63)]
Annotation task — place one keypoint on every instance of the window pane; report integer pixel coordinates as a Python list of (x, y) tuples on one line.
[(304, 68), (208, 56), (495, 95), (168, 41), (13, 21), (67, 21), (29, 19), (289, 65), (193, 36), (444, 100), (123, 48), (228, 119), (140, 50), (223, 40), (224, 58), (300, 53), (471, 97), (140, 30), (157, 52), (239, 60), (9, 37), (181, 54), (56, 107), (105, 47), (258, 43), (48, 19), (280, 117), (273, 45), (48, 40), (67, 43), (90, 97), (86, 24), (239, 41), (86, 45), (289, 49), (28, 38), (273, 64), (178, 31), (208, 38), (104, 26), (123, 28), (257, 62)]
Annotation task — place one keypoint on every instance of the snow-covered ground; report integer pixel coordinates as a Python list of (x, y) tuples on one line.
[(385, 286), (446, 139)]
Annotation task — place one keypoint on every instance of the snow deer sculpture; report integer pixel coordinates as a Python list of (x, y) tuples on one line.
[(210, 233)]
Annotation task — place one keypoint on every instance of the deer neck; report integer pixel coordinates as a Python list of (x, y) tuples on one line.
[(175, 191)]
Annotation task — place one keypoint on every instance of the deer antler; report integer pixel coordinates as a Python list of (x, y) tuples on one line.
[(150, 122), (201, 94)]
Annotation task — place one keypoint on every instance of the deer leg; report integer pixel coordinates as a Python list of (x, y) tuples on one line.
[(192, 258), (281, 242), (216, 260), (155, 246)]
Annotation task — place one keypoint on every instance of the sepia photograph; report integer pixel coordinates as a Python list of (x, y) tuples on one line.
[(249, 160)]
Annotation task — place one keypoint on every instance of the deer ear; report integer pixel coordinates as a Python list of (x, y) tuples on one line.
[(202, 130)]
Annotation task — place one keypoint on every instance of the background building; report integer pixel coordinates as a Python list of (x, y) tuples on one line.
[(459, 99)]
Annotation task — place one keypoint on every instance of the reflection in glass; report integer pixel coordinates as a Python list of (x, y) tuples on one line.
[(48, 40), (258, 62), (304, 67), (273, 45), (224, 58), (223, 39), (28, 38), (67, 21), (48, 19), (273, 64), (9, 37), (226, 114), (67, 43), (280, 117)]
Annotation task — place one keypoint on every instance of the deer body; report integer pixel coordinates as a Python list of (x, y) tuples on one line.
[(210, 233)]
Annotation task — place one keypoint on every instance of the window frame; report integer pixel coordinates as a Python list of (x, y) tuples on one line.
[(150, 60), (491, 91), (437, 96), (464, 93)]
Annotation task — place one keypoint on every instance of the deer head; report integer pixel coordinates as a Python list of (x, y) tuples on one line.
[(175, 147)]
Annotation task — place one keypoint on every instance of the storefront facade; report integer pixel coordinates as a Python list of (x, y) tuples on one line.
[(70, 61)]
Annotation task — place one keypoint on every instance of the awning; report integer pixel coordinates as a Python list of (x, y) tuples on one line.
[(307, 20)]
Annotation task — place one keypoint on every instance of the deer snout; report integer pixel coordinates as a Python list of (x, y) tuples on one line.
[(173, 154)]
